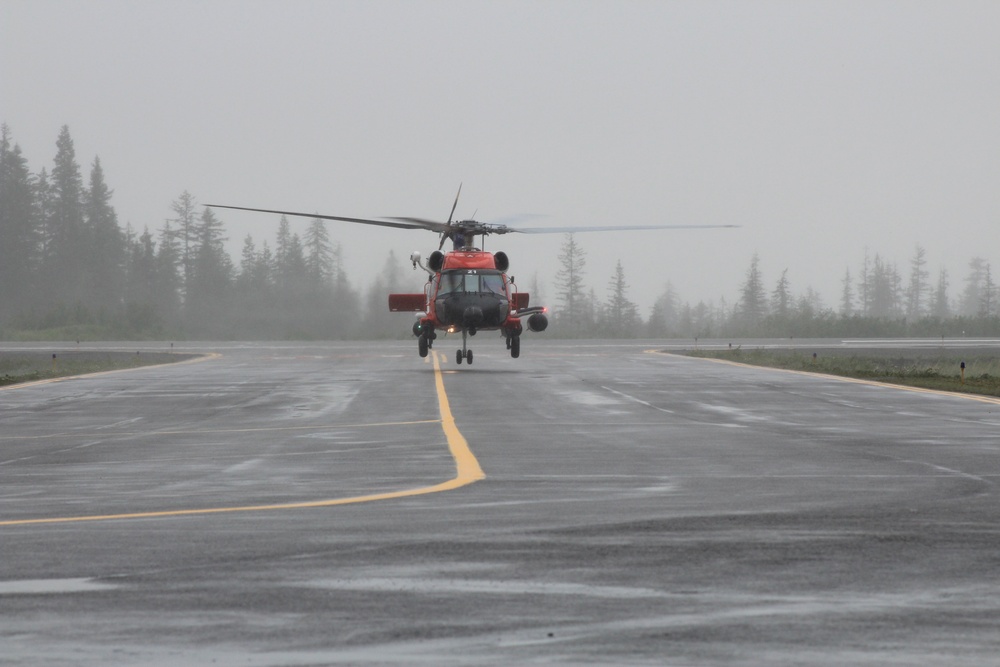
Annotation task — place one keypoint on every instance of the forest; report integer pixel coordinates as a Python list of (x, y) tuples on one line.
[(69, 270)]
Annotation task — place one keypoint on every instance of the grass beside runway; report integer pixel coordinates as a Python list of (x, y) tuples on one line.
[(927, 369), (19, 367)]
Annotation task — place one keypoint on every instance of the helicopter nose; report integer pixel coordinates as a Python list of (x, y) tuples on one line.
[(472, 316)]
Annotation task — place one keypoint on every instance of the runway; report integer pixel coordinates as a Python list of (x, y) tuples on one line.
[(590, 502)]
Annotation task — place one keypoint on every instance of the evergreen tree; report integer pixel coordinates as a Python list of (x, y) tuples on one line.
[(884, 289), (319, 255), (207, 300), (569, 286), (64, 260), (281, 247), (664, 320), (620, 315), (105, 256), (939, 306), (847, 296), (18, 230), (535, 290), (141, 274), (185, 231), (781, 297), (378, 321), (918, 286), (255, 312), (987, 303), (753, 304), (142, 314), (169, 283), (248, 267), (972, 296), (345, 307), (43, 206), (865, 287)]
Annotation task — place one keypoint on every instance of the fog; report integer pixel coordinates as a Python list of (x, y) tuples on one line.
[(822, 129)]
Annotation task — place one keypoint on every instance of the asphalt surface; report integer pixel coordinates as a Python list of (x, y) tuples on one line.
[(283, 504)]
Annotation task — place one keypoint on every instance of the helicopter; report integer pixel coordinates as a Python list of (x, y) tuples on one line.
[(468, 289)]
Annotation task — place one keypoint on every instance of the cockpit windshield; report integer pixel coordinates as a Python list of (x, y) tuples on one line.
[(472, 280)]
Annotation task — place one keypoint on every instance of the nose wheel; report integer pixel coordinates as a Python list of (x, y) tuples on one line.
[(465, 352)]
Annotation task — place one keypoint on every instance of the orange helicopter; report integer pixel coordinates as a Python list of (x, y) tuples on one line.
[(468, 289)]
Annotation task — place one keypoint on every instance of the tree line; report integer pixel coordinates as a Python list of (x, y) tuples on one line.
[(68, 270), (879, 302), (68, 267)]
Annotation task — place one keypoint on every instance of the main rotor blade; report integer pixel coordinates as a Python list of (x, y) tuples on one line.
[(364, 221), (455, 205), (424, 223), (611, 228)]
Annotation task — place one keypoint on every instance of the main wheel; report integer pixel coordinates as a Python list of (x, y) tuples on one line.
[(458, 357), (468, 357), (422, 346), (515, 346)]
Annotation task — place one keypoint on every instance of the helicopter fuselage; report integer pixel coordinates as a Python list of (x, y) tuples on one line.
[(468, 290)]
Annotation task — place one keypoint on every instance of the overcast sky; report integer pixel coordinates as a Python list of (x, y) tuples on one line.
[(822, 128)]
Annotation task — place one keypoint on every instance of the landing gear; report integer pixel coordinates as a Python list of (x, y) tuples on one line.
[(464, 353), (425, 341), (514, 343)]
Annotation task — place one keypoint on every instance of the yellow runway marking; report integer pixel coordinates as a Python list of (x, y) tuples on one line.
[(467, 471), (872, 383)]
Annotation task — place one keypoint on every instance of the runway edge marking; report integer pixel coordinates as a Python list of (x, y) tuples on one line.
[(467, 471), (842, 378)]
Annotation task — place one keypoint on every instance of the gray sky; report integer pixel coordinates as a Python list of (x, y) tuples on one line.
[(821, 127)]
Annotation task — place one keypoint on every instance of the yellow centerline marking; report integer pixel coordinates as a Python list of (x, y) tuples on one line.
[(467, 471), (842, 378)]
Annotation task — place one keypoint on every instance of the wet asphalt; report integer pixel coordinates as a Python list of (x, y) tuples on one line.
[(637, 508)]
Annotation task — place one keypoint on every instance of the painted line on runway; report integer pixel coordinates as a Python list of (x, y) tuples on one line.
[(871, 383), (637, 400), (467, 471), (209, 431)]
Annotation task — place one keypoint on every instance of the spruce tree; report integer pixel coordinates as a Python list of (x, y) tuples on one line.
[(184, 229), (19, 235), (620, 315), (569, 287), (847, 296), (918, 286), (105, 256), (65, 257), (753, 304)]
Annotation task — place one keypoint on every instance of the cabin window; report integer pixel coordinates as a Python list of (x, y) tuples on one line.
[(491, 282)]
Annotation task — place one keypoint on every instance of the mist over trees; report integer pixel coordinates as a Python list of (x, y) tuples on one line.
[(70, 270), (68, 267)]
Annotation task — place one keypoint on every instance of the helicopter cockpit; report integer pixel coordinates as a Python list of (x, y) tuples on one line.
[(472, 281), (472, 298)]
